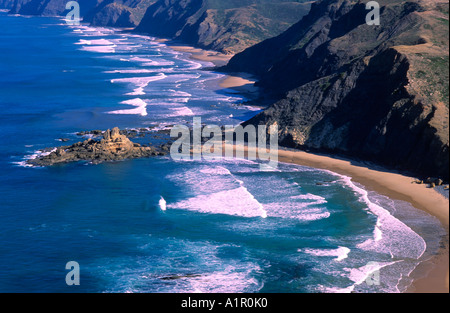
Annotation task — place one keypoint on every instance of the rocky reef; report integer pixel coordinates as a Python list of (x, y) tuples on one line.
[(112, 147)]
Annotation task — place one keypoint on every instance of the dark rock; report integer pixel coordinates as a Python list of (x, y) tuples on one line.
[(228, 26), (340, 86), (113, 147)]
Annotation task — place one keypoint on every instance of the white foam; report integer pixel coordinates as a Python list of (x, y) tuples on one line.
[(361, 274), (137, 111), (317, 199), (163, 204), (158, 63), (100, 49), (230, 280), (184, 111), (140, 59), (141, 107), (391, 236), (178, 78), (140, 82), (135, 102), (237, 202), (219, 170), (136, 92), (305, 212), (340, 253), (35, 154), (97, 42), (179, 93), (130, 71)]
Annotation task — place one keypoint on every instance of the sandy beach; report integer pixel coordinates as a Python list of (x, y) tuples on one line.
[(242, 83), (431, 276), (217, 58)]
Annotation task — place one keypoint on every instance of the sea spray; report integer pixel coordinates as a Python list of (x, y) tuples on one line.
[(163, 204)]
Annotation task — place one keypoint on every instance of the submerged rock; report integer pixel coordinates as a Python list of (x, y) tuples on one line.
[(112, 147)]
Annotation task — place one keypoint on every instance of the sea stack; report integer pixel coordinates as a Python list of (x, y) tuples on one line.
[(113, 147)]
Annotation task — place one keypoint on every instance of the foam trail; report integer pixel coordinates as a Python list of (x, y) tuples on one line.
[(140, 82), (141, 107), (100, 49), (341, 253), (231, 201)]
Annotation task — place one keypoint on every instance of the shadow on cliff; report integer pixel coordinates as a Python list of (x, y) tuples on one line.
[(381, 122)]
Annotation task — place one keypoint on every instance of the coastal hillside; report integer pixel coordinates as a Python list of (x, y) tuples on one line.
[(45, 7), (375, 92), (118, 13), (115, 13), (225, 26)]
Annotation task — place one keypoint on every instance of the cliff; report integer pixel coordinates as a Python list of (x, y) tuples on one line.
[(46, 7), (225, 26), (375, 92), (118, 13), (115, 13)]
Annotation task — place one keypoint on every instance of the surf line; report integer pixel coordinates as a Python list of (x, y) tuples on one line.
[(226, 142)]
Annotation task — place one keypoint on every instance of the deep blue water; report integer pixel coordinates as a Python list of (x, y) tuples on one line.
[(228, 226)]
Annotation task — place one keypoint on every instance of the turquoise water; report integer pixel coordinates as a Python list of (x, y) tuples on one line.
[(227, 226)]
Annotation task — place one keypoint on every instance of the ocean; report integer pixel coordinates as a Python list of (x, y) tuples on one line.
[(158, 225)]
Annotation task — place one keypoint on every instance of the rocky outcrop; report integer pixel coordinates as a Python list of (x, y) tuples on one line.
[(115, 13), (374, 92), (118, 13), (112, 147), (48, 7), (226, 26)]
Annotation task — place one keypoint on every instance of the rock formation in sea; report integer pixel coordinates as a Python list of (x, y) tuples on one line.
[(112, 147)]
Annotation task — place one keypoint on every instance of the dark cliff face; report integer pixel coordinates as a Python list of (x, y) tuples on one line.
[(376, 92), (116, 13), (47, 7), (226, 26)]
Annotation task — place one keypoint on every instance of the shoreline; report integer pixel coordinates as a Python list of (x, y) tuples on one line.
[(393, 185), (242, 83), (430, 276)]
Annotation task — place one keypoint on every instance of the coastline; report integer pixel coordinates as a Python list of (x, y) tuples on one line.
[(241, 83), (393, 185), (431, 276)]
